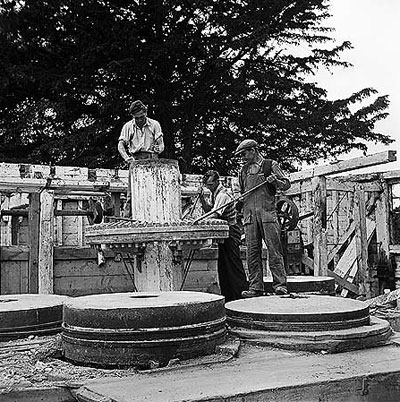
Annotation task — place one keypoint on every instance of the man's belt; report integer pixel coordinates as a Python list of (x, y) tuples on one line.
[(145, 155)]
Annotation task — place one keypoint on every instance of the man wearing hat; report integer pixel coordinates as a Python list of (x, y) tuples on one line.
[(260, 218), (140, 138)]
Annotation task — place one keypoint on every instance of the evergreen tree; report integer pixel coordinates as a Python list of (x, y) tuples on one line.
[(212, 72)]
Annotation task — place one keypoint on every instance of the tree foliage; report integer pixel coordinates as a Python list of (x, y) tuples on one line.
[(212, 72)]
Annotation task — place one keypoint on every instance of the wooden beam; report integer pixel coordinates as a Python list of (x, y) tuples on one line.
[(29, 185), (343, 283), (34, 229), (319, 226), (14, 253), (382, 218), (392, 175), (302, 187), (46, 242), (340, 242), (361, 239), (394, 249), (345, 166)]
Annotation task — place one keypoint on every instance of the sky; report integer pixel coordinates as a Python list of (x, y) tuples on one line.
[(373, 28)]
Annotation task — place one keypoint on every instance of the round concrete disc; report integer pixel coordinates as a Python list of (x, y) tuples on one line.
[(336, 341), (125, 329), (22, 315), (143, 310), (307, 313), (305, 284)]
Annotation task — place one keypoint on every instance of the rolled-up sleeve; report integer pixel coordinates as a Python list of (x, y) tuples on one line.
[(157, 130), (282, 182), (124, 136)]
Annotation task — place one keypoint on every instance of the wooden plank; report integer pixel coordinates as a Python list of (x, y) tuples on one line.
[(340, 242), (83, 268), (336, 199), (79, 286), (34, 228), (15, 253), (352, 273), (5, 234), (29, 185), (343, 282), (345, 166), (382, 220), (361, 240), (346, 266), (45, 277), (349, 255), (14, 277), (319, 227), (309, 207), (301, 187), (307, 261), (394, 249), (59, 224), (79, 226), (116, 202), (392, 175)]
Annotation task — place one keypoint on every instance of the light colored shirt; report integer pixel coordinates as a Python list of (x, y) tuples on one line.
[(140, 140), (221, 198)]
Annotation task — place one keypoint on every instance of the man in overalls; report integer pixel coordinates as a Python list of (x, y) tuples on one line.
[(260, 218)]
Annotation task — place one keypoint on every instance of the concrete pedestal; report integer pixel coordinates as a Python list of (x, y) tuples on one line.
[(156, 235), (155, 191)]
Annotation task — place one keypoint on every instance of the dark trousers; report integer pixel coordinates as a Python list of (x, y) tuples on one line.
[(232, 278)]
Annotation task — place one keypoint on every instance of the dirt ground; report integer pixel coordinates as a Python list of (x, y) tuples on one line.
[(37, 362)]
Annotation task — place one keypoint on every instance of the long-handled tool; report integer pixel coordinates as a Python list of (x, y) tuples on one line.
[(200, 218), (193, 206), (193, 251)]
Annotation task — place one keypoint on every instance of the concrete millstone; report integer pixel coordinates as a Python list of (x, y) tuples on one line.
[(305, 284), (22, 315), (134, 329), (311, 323)]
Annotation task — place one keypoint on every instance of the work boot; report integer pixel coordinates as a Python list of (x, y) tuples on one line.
[(281, 291), (247, 294)]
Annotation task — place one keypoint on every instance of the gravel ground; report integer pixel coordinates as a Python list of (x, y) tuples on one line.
[(37, 362)]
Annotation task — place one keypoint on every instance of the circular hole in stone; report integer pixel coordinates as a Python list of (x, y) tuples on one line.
[(144, 295)]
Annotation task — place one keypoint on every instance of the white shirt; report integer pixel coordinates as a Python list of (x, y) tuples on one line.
[(140, 140)]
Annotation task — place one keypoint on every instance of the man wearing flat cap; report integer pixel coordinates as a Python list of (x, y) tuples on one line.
[(140, 138), (260, 218)]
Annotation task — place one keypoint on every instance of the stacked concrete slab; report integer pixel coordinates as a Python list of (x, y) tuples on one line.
[(140, 329), (311, 323)]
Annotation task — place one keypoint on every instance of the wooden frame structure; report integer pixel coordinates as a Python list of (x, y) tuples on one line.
[(344, 255), (348, 215)]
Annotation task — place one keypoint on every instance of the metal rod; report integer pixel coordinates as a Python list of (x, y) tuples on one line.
[(187, 267), (230, 202)]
